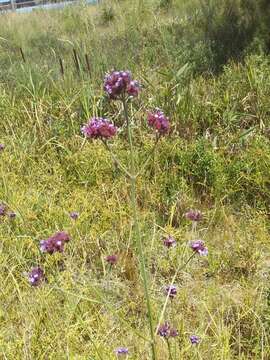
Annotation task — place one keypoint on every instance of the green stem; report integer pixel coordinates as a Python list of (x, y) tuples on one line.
[(107, 146), (194, 229), (149, 157), (169, 349), (137, 229), (180, 267)]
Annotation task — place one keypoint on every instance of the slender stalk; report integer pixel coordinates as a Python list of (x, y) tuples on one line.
[(194, 229), (122, 167), (149, 157), (169, 349), (22, 55), (180, 267), (103, 301), (96, 348), (137, 229), (62, 71)]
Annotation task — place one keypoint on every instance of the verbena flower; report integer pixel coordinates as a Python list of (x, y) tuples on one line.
[(99, 128), (36, 276), (158, 121), (3, 210), (111, 259), (167, 331), (169, 241), (119, 83), (55, 243), (133, 88), (194, 215), (171, 290), (74, 215), (194, 339), (164, 330), (2, 146), (121, 351), (199, 247)]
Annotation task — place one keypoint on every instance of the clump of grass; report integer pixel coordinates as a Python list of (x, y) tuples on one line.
[(107, 14), (165, 4)]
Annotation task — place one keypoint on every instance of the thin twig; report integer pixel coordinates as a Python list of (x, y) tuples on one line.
[(61, 66), (22, 55), (76, 61), (88, 64)]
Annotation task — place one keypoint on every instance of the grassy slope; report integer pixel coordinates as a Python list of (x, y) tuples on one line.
[(216, 159)]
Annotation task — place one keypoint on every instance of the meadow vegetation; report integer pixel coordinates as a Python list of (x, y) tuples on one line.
[(206, 64)]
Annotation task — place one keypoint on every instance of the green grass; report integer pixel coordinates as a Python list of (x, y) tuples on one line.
[(216, 159)]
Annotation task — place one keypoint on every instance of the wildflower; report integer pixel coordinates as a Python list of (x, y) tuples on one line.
[(74, 215), (194, 215), (36, 276), (2, 210), (133, 88), (166, 331), (2, 147), (119, 83), (171, 291), (199, 247), (158, 121), (121, 351), (194, 339), (55, 243), (111, 259), (99, 128), (169, 242), (11, 214)]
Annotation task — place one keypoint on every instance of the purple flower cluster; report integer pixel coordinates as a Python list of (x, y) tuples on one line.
[(171, 290), (74, 215), (194, 215), (198, 246), (36, 276), (121, 351), (158, 121), (99, 128), (55, 243), (169, 242), (111, 259), (2, 147), (119, 83), (167, 331), (194, 339)]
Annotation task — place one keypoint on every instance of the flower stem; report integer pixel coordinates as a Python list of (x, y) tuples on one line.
[(169, 349), (137, 229), (180, 267), (122, 167), (149, 157)]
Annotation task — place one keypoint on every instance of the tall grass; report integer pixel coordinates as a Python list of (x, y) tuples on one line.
[(215, 159)]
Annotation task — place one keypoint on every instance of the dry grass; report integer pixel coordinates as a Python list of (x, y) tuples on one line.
[(215, 159)]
